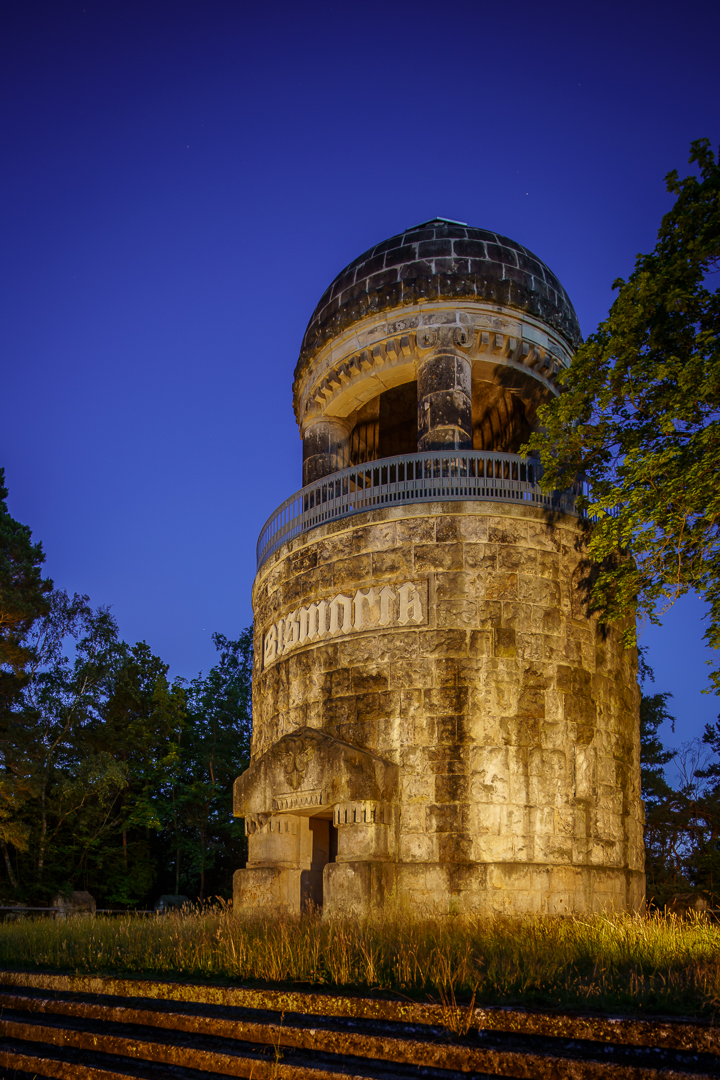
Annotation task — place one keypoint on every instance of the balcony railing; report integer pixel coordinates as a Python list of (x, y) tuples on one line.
[(411, 478)]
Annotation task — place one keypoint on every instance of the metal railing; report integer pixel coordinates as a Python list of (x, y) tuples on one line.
[(407, 478)]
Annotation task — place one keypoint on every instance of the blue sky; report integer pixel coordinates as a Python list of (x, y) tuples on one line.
[(181, 180)]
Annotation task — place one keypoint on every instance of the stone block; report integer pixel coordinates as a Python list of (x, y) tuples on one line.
[(443, 817), (552, 621), (379, 538), (457, 613), (451, 787), (363, 649), (434, 643), (480, 557), (429, 557), (393, 733), (411, 700), (366, 680), (284, 840), (413, 531), (491, 848), (548, 564), (543, 537), (445, 699), (530, 646), (500, 586), (375, 706), (481, 643), (397, 647), (313, 583), (517, 616), (417, 847), (358, 890), (353, 571), (505, 642), (553, 848), (260, 890), (445, 672), (542, 591), (412, 818), (451, 586), (340, 710), (80, 902), (515, 559), (397, 562), (470, 673), (337, 683), (417, 788), (461, 527), (455, 848), (490, 775), (365, 842)]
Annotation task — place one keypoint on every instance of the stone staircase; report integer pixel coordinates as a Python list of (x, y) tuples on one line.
[(104, 1028)]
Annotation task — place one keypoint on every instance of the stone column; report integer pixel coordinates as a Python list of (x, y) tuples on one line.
[(326, 448), (279, 852), (444, 403)]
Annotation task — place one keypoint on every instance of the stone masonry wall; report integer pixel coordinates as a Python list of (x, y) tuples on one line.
[(511, 715)]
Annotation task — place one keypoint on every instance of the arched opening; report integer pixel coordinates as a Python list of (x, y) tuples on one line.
[(499, 418), (385, 426), (503, 417)]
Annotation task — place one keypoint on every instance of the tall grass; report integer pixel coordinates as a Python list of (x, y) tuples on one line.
[(654, 963)]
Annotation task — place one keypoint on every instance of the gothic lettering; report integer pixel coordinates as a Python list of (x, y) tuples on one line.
[(410, 605), (368, 609), (340, 622)]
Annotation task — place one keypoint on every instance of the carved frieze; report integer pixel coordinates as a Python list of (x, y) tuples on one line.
[(362, 813), (300, 800), (375, 608), (337, 385)]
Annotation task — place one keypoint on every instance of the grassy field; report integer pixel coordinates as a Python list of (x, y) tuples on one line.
[(650, 964)]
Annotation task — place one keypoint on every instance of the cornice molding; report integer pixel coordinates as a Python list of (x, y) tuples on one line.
[(343, 377)]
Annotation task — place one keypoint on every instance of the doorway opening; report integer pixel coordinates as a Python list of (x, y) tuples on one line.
[(324, 851)]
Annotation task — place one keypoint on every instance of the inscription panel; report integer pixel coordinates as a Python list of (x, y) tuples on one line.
[(341, 615)]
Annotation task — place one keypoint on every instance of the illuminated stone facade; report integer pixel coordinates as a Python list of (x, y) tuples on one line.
[(438, 721)]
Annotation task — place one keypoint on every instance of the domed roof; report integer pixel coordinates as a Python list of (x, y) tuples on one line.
[(437, 260)]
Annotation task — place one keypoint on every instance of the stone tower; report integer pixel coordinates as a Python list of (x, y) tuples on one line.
[(438, 721)]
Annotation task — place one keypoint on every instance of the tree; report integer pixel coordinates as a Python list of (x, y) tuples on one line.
[(639, 419), (141, 725), (23, 599), (42, 746), (658, 795), (653, 755), (217, 750)]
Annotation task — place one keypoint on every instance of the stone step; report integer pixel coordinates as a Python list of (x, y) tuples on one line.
[(94, 1027)]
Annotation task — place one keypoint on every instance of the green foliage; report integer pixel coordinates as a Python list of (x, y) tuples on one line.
[(663, 870), (639, 418), (23, 597), (653, 755), (682, 811), (117, 780), (141, 725), (216, 751)]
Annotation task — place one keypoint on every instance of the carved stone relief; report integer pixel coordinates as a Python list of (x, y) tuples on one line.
[(296, 754)]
